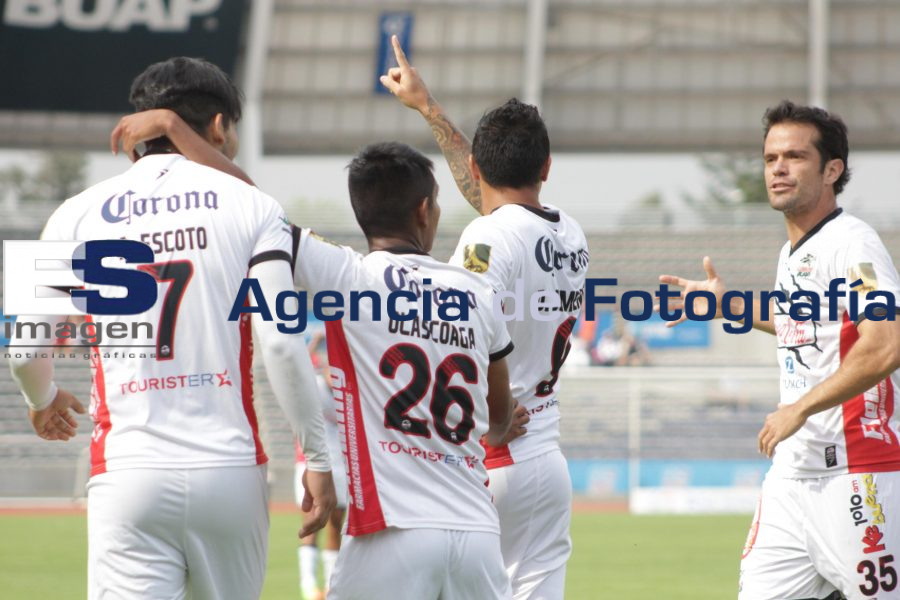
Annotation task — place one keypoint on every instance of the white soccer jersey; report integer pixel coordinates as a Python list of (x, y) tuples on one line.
[(410, 395), (861, 435), (546, 251), (186, 401)]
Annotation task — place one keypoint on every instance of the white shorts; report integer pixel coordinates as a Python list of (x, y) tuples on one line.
[(420, 564), (534, 501), (810, 537), (176, 533), (340, 484)]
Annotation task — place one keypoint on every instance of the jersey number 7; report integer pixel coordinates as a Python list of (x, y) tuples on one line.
[(178, 273)]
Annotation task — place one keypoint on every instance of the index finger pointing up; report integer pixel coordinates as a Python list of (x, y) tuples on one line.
[(398, 52)]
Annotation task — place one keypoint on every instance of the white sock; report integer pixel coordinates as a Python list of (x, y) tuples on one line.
[(309, 583), (329, 557)]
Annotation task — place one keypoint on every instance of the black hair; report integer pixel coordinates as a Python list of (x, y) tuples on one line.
[(387, 181), (193, 88), (511, 145), (832, 142)]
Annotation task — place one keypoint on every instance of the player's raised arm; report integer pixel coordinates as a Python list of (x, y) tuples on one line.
[(293, 381), (148, 125), (407, 85), (500, 403), (716, 286)]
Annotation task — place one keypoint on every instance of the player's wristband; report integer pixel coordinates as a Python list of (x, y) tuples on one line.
[(40, 403)]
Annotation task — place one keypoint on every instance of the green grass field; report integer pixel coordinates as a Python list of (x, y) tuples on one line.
[(615, 556)]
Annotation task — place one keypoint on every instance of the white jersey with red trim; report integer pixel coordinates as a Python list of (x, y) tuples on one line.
[(186, 401), (517, 247), (861, 435), (411, 394)]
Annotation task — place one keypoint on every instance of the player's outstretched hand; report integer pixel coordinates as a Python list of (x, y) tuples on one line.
[(712, 284), (55, 422), (779, 426), (517, 428), (138, 128), (319, 500), (404, 81)]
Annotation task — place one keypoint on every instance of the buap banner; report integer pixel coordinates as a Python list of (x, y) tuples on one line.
[(81, 55)]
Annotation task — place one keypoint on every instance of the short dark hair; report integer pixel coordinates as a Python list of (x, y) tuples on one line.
[(193, 88), (511, 145), (387, 182), (832, 142)]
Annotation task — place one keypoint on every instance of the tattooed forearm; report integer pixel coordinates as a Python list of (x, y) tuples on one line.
[(456, 149)]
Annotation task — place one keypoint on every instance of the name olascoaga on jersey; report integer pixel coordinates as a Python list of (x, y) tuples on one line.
[(544, 250), (189, 402), (410, 395), (860, 435)]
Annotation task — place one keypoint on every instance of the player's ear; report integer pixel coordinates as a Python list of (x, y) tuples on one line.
[(545, 170), (422, 212), (215, 132), (473, 167), (833, 170)]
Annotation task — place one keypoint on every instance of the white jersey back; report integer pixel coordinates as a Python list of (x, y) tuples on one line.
[(861, 435), (186, 401), (410, 395), (547, 252)]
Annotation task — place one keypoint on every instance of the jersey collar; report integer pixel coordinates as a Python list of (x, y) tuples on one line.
[(545, 213), (816, 229), (403, 250)]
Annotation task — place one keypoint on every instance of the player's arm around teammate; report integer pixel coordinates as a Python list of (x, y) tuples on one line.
[(142, 127)]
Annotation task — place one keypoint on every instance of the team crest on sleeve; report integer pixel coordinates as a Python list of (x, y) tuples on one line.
[(864, 272), (477, 257)]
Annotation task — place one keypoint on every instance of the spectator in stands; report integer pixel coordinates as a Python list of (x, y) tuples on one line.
[(617, 347)]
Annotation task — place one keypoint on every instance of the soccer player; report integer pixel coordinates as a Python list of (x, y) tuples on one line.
[(536, 251), (827, 519), (415, 393), (178, 499)]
